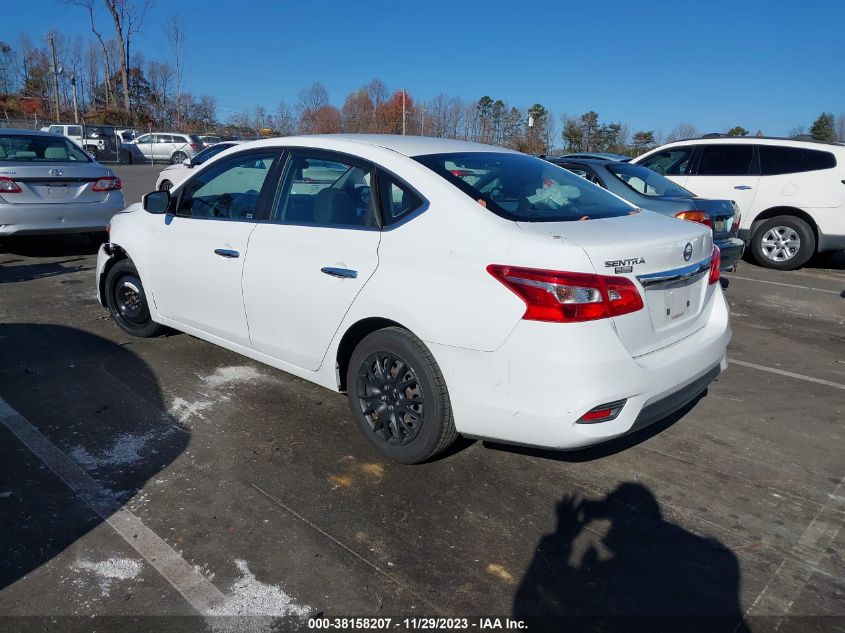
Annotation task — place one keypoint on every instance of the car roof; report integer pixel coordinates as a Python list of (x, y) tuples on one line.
[(605, 156), (761, 140), (407, 145), (11, 130)]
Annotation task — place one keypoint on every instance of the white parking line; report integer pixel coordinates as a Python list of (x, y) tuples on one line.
[(780, 283), (182, 576), (781, 372)]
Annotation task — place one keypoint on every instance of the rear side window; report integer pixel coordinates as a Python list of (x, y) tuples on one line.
[(792, 160), (524, 188), (670, 162), (397, 199), (726, 160)]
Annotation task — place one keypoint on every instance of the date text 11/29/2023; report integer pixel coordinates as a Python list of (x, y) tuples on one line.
[(416, 624)]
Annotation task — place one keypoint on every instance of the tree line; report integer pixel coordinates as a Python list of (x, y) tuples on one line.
[(103, 79)]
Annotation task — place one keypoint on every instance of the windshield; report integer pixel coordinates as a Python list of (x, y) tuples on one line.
[(41, 149), (524, 188), (646, 181)]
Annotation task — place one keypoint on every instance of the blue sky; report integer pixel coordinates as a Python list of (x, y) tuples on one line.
[(769, 65)]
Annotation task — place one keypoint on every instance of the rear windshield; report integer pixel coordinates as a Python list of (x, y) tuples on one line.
[(524, 188), (646, 181), (28, 148)]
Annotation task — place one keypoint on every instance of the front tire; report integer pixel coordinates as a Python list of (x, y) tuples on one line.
[(165, 185), (127, 301), (784, 242), (398, 396)]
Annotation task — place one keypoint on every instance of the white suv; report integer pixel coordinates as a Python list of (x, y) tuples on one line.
[(791, 193), (168, 147)]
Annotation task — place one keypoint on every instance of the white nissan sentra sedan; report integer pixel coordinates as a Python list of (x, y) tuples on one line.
[(447, 287), (48, 184)]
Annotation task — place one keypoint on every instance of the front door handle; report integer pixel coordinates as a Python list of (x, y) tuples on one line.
[(343, 273), (742, 187), (226, 252)]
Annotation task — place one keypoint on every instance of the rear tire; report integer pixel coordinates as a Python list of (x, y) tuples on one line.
[(784, 242), (398, 396), (127, 301), (178, 157)]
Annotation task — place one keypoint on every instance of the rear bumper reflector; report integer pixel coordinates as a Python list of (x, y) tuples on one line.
[(603, 412)]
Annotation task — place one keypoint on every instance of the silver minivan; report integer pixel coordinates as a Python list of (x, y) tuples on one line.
[(168, 147)]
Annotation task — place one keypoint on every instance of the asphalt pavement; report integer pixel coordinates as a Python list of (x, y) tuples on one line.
[(168, 484)]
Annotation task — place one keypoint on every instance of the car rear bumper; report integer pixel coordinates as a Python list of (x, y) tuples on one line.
[(731, 252), (27, 219), (533, 390)]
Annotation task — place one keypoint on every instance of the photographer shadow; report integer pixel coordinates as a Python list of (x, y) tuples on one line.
[(617, 564)]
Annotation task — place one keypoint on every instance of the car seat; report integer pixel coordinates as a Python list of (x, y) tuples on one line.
[(333, 206)]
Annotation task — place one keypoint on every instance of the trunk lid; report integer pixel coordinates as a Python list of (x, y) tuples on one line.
[(649, 249), (55, 183), (722, 212)]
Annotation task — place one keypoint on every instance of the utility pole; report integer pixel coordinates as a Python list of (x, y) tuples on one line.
[(403, 111), (75, 109), (51, 37), (422, 123)]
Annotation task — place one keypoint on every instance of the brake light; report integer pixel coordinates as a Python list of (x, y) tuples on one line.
[(715, 264), (7, 185), (461, 173), (562, 297), (109, 183), (195, 146), (701, 217)]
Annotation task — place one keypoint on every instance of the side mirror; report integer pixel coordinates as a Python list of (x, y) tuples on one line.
[(156, 202), (187, 162)]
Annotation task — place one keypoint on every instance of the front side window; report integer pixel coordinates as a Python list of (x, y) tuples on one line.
[(227, 191), (776, 160), (164, 138), (39, 149), (323, 191), (725, 160), (674, 161), (56, 129), (524, 188), (647, 182)]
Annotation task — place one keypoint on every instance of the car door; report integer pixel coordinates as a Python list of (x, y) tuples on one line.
[(726, 171), (305, 266), (201, 245), (162, 147), (145, 144)]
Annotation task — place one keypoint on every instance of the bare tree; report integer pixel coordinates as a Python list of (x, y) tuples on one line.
[(682, 131), (840, 128), (174, 31), (284, 120)]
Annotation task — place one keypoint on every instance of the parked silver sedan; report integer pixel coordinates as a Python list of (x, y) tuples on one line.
[(48, 184)]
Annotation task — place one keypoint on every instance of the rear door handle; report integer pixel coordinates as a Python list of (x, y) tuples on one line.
[(343, 273), (743, 187), (226, 252)]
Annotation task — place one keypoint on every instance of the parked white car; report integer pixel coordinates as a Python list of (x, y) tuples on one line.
[(538, 309), (168, 147), (791, 193)]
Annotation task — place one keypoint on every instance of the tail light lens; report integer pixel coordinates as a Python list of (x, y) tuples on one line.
[(715, 264), (109, 183), (7, 185), (702, 217), (603, 412), (562, 297), (195, 146), (737, 217)]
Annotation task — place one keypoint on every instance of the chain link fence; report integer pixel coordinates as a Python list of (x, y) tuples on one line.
[(105, 143)]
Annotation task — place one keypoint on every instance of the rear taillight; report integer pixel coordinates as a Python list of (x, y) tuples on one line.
[(603, 412), (715, 264), (7, 185), (563, 297), (109, 183), (701, 217), (195, 146), (737, 217)]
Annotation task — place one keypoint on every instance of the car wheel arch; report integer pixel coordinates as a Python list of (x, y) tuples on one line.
[(119, 254), (349, 341), (774, 212)]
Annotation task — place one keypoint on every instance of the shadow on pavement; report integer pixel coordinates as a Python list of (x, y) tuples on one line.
[(616, 564), (100, 404)]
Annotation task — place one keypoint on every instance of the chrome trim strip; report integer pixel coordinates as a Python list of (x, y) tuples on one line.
[(677, 278)]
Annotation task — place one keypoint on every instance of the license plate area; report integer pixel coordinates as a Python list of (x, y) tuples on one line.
[(676, 303)]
